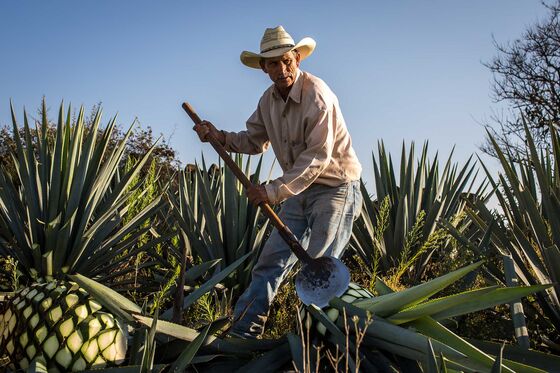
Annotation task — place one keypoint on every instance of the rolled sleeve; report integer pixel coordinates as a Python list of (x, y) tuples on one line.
[(254, 140)]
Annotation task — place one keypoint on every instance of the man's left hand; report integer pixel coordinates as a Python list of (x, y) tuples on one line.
[(257, 195)]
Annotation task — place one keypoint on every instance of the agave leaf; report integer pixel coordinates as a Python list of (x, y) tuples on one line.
[(553, 262), (270, 361), (338, 337), (232, 345), (208, 207), (541, 360), (64, 208), (188, 354), (218, 324), (193, 297), (149, 347), (296, 349), (389, 304), (421, 189), (432, 363), (395, 348), (116, 303), (199, 270), (436, 306), (156, 368), (136, 347), (477, 358), (382, 330)]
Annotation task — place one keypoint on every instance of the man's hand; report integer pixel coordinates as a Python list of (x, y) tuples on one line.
[(257, 195), (204, 129)]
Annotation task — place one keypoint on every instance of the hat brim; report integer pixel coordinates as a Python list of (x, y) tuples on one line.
[(305, 47)]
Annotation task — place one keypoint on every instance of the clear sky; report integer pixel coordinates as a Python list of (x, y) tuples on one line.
[(402, 70)]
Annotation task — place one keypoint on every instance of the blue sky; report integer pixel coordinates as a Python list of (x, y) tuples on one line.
[(403, 70)]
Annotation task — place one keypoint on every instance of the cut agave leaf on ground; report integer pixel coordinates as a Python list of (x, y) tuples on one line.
[(541, 360), (296, 348), (229, 345), (188, 354), (207, 286), (158, 368), (172, 329), (270, 361), (170, 351), (477, 358), (389, 304), (109, 298)]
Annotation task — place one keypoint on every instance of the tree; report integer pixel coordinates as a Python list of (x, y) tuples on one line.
[(526, 76)]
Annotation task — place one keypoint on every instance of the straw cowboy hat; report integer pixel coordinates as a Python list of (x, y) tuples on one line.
[(275, 42)]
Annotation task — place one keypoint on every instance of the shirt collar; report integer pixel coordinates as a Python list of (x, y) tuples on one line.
[(295, 92)]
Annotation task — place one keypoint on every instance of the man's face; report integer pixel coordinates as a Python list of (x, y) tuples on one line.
[(282, 70)]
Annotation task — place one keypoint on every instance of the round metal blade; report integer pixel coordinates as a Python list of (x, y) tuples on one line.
[(327, 277)]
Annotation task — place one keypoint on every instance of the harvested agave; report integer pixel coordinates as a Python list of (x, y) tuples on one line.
[(62, 325), (353, 293)]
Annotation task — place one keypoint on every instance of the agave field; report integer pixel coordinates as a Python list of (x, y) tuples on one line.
[(110, 264)]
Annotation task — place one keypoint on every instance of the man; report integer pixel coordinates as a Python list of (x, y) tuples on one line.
[(319, 188)]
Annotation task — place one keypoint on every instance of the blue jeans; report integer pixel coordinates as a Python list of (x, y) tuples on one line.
[(321, 218)]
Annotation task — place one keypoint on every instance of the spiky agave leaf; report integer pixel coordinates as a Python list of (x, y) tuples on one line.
[(415, 313), (64, 210), (528, 193), (415, 197), (216, 221)]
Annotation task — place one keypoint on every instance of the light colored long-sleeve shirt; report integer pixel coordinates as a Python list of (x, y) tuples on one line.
[(308, 135)]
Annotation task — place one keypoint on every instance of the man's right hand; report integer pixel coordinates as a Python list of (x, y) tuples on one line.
[(204, 129)]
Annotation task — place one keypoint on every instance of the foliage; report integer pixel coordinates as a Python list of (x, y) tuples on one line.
[(139, 142), (405, 325), (526, 78), (216, 220), (529, 196), (63, 210), (9, 274), (398, 230)]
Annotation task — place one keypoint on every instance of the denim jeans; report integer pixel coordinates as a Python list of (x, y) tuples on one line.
[(321, 218)]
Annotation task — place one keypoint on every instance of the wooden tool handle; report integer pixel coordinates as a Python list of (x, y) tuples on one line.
[(284, 231)]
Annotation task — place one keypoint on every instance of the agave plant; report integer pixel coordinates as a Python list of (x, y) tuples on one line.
[(528, 228), (398, 228), (400, 331), (216, 221), (62, 214), (409, 325)]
